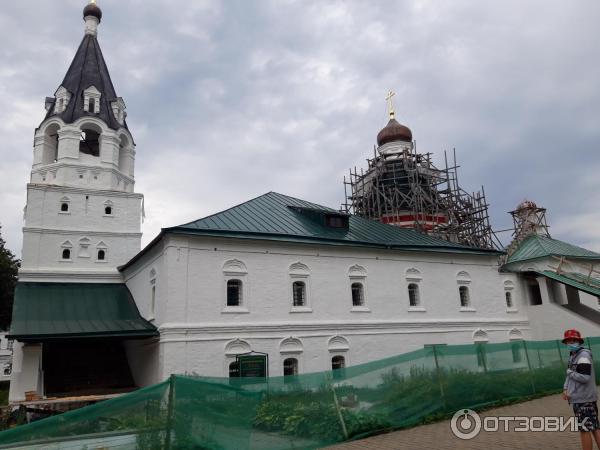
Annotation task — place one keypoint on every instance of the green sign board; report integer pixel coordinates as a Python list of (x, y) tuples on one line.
[(253, 366)]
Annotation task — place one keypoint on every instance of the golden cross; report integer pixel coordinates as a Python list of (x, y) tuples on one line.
[(390, 103)]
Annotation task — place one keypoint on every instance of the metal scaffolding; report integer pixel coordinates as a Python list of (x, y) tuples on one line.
[(406, 189)]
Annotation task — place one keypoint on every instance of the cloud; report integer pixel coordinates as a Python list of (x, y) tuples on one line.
[(228, 100)]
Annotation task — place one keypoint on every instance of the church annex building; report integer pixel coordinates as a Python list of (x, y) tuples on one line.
[(273, 286)]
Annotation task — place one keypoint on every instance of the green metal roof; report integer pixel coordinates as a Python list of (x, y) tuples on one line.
[(45, 311), (578, 281), (276, 216), (536, 246)]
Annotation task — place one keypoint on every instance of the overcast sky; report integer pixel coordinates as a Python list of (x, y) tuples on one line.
[(228, 100)]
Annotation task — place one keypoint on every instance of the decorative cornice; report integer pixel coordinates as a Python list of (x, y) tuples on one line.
[(80, 190), (85, 232), (291, 327), (69, 276), (61, 165)]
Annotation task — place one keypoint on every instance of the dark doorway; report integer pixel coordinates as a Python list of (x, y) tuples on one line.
[(85, 367), (535, 294)]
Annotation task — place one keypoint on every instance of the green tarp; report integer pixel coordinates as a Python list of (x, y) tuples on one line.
[(45, 311)]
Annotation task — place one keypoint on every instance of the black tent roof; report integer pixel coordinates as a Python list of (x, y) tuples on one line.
[(88, 69)]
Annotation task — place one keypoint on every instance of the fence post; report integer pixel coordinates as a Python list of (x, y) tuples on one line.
[(337, 408), (559, 352), (170, 412), (529, 366), (439, 376)]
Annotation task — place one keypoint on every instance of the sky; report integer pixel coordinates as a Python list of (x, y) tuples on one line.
[(228, 100)]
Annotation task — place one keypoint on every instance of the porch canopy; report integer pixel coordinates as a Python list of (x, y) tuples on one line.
[(48, 311), (589, 285)]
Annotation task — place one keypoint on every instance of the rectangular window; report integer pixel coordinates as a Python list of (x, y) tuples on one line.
[(358, 298), (464, 296), (234, 293), (299, 292), (153, 299)]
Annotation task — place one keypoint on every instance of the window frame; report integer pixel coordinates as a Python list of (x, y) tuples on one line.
[(240, 293), (359, 288), (296, 366), (65, 201), (66, 246), (462, 285), (234, 269), (152, 304), (414, 289), (338, 357), (358, 274), (300, 273), (509, 289), (413, 277)]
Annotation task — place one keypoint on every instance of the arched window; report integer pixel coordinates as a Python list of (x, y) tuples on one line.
[(290, 367), (89, 142), (234, 292), (101, 255), (66, 253), (64, 207), (413, 294), (465, 299), (338, 362), (234, 369), (108, 210), (358, 296), (299, 293), (124, 147), (509, 301), (50, 150)]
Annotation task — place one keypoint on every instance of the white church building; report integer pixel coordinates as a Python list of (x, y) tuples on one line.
[(273, 286)]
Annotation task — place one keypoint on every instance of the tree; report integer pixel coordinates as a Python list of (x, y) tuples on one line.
[(9, 267)]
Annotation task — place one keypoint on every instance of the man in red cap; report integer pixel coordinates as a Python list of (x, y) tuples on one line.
[(580, 389)]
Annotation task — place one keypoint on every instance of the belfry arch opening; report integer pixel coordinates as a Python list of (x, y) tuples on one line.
[(50, 153), (89, 142), (124, 146)]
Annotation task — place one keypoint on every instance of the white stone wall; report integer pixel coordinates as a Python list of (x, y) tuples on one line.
[(61, 163), (84, 227), (199, 332)]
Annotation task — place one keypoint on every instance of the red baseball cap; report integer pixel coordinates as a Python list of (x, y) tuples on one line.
[(573, 334)]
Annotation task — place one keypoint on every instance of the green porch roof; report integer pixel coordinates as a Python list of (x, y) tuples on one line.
[(578, 281), (274, 216), (45, 311), (536, 246)]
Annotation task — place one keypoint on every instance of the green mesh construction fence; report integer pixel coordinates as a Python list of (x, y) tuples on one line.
[(306, 411)]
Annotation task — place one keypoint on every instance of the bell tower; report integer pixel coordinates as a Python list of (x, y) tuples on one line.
[(82, 218)]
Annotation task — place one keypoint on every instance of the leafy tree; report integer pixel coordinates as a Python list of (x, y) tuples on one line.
[(9, 266)]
